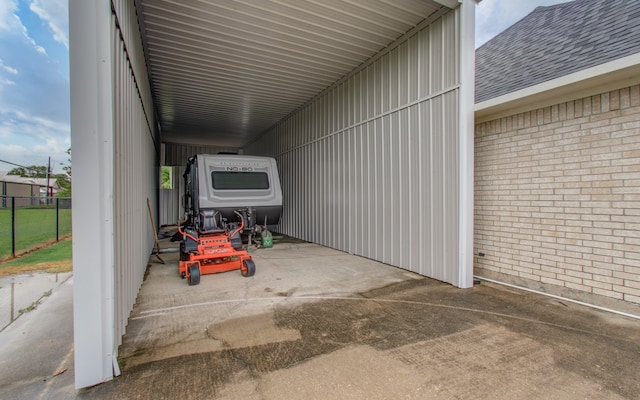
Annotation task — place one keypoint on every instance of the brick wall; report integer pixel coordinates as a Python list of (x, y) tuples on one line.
[(557, 197)]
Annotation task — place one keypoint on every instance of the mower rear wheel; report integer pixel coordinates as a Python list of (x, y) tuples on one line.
[(194, 274), (248, 268)]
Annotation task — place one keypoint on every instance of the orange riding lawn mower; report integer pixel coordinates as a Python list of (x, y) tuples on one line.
[(225, 197)]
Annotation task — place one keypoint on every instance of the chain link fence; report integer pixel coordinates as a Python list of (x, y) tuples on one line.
[(27, 223)]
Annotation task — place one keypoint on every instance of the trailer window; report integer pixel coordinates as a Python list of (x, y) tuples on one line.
[(225, 180)]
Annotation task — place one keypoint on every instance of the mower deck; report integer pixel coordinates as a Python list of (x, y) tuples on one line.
[(214, 254)]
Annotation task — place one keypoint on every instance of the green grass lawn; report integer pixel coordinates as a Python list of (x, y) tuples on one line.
[(54, 258), (34, 227)]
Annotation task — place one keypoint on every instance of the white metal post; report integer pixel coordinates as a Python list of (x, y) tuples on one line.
[(92, 143), (466, 104)]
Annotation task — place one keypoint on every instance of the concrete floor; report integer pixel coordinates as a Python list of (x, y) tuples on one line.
[(315, 323)]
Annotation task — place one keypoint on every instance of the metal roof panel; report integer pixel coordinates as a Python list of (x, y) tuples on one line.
[(228, 70)]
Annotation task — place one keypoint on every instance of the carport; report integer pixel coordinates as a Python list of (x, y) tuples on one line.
[(367, 107)]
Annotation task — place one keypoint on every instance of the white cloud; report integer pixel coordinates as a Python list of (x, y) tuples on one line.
[(6, 82), (10, 69), (30, 140), (39, 49), (35, 126), (11, 24), (7, 68), (29, 39), (8, 18), (14, 149), (27, 155), (55, 14)]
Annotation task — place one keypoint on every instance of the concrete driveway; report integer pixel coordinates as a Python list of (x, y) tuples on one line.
[(316, 323)]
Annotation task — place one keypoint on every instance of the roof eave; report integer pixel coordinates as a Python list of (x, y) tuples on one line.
[(448, 3), (452, 3), (613, 75)]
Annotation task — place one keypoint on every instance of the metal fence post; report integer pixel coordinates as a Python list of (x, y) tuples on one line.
[(57, 219), (13, 226)]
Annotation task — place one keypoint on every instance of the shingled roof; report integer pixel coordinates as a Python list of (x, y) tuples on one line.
[(5, 177), (555, 41)]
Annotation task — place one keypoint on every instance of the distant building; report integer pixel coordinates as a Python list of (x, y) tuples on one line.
[(17, 186)]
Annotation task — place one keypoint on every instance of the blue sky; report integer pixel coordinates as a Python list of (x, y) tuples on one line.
[(34, 82), (34, 73)]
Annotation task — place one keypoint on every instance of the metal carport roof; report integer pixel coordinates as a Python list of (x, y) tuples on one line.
[(224, 72)]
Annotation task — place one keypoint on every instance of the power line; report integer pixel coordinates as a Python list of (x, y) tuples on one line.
[(17, 165)]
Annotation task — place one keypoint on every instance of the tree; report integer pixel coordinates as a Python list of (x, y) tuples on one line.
[(64, 180), (65, 186), (32, 171), (166, 180), (67, 168)]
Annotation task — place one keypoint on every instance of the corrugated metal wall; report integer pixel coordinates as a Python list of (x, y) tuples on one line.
[(135, 163), (371, 166), (176, 155)]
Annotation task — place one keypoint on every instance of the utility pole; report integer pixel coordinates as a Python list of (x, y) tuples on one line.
[(49, 193)]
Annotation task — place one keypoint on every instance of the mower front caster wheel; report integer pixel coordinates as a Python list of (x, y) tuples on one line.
[(194, 274), (248, 268)]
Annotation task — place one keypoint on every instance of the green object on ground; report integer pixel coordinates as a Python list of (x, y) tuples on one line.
[(267, 239)]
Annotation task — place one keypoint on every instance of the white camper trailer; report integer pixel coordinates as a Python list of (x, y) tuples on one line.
[(229, 182)]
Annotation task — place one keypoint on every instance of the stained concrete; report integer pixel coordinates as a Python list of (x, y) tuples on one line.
[(316, 323), (21, 292), (36, 350)]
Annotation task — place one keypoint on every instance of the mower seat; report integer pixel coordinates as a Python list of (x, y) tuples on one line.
[(210, 222)]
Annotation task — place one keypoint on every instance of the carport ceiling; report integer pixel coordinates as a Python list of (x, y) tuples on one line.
[(222, 72)]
